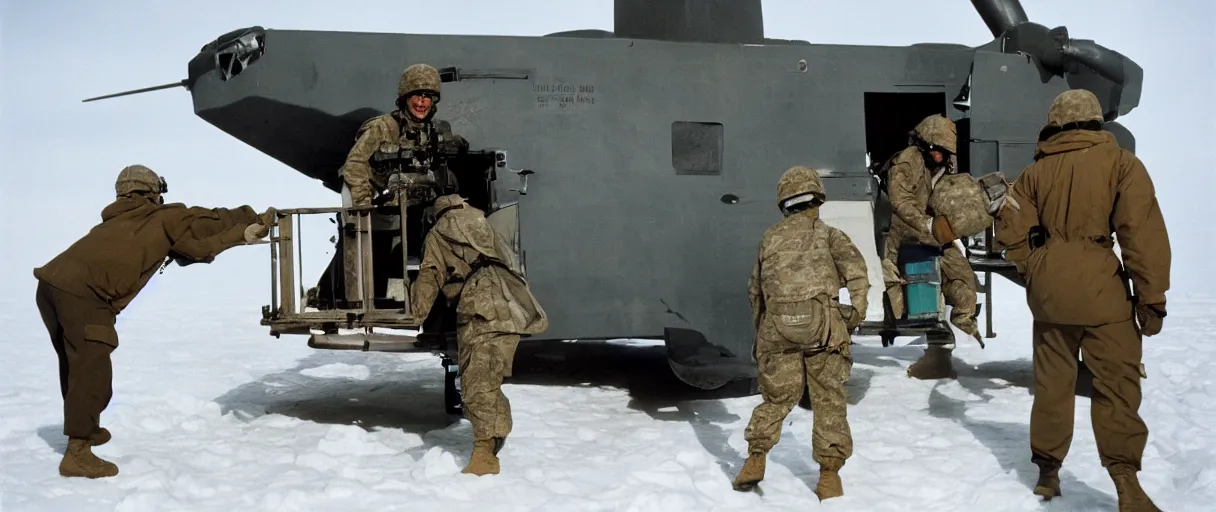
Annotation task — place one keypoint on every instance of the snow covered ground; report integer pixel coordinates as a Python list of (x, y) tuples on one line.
[(210, 413)]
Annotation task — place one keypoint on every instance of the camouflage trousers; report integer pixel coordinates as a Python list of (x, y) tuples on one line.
[(958, 283), (782, 376), (485, 358)]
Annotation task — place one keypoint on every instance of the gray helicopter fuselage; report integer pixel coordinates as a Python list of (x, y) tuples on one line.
[(655, 162)]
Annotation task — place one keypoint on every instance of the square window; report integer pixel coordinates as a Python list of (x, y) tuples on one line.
[(696, 148)]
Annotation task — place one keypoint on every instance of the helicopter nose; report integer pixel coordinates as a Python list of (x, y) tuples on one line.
[(229, 54)]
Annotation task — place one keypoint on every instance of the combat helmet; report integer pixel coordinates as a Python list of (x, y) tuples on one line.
[(134, 179), (419, 78), (1074, 106), (799, 185), (937, 132)]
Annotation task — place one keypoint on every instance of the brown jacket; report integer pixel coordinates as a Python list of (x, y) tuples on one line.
[(1082, 188), (116, 258)]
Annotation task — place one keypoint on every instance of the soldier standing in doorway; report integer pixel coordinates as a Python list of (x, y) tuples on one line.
[(911, 178)]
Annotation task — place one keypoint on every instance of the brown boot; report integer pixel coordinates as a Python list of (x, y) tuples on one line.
[(936, 364), (1048, 485), (482, 461), (829, 482), (78, 460), (99, 437), (752, 472), (1131, 497)]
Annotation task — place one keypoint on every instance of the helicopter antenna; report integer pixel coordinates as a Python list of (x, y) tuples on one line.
[(182, 83)]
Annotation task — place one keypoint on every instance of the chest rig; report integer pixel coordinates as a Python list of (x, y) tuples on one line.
[(414, 163)]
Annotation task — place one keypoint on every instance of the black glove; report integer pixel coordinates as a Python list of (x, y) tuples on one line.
[(1149, 316)]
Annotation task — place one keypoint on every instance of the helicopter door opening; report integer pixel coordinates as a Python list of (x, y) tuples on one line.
[(889, 118)]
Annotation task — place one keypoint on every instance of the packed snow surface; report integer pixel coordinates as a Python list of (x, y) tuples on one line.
[(210, 413)]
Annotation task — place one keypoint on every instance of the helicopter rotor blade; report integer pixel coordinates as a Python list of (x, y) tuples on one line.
[(182, 83)]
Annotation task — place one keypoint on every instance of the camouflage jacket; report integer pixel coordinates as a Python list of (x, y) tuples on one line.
[(465, 259), (389, 132), (802, 264), (909, 189)]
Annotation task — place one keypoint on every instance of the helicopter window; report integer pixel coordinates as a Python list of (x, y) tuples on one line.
[(696, 148)]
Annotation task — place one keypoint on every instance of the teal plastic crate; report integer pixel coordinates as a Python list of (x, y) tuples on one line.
[(922, 294), (921, 300)]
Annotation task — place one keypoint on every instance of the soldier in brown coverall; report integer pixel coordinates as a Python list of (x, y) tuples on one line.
[(465, 259), (1081, 188), (912, 176), (802, 330), (83, 289)]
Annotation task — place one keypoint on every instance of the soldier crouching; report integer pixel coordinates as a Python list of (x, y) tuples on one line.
[(468, 262), (802, 330)]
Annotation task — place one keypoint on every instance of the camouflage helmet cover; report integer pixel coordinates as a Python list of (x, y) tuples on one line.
[(416, 78), (1074, 106), (938, 130), (138, 178), (799, 181)]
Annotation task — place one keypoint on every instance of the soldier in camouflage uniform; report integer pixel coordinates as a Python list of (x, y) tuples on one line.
[(83, 289), (412, 125), (912, 175), (469, 263), (802, 330)]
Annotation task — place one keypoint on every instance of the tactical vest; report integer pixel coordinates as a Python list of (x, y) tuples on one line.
[(412, 149), (415, 155)]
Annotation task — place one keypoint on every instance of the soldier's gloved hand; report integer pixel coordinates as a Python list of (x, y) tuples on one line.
[(1150, 316), (269, 217), (942, 231), (852, 317), (254, 233)]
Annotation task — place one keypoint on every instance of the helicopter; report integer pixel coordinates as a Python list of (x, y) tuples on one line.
[(648, 155)]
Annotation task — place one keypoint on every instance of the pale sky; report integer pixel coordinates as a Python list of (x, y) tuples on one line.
[(60, 156)]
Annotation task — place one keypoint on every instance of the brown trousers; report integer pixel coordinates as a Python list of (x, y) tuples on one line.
[(82, 332), (1112, 352)]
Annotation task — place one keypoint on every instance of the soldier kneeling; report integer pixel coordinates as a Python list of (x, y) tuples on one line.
[(802, 330)]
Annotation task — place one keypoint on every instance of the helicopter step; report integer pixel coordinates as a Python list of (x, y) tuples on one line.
[(703, 365), (369, 342)]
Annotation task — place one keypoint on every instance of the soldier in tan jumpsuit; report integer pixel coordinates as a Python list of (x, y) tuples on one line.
[(83, 289), (802, 330), (1081, 189), (469, 263)]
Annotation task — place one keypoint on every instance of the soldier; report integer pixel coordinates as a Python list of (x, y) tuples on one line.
[(911, 178), (802, 330), (412, 125), (465, 259), (1081, 187), (83, 289)]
